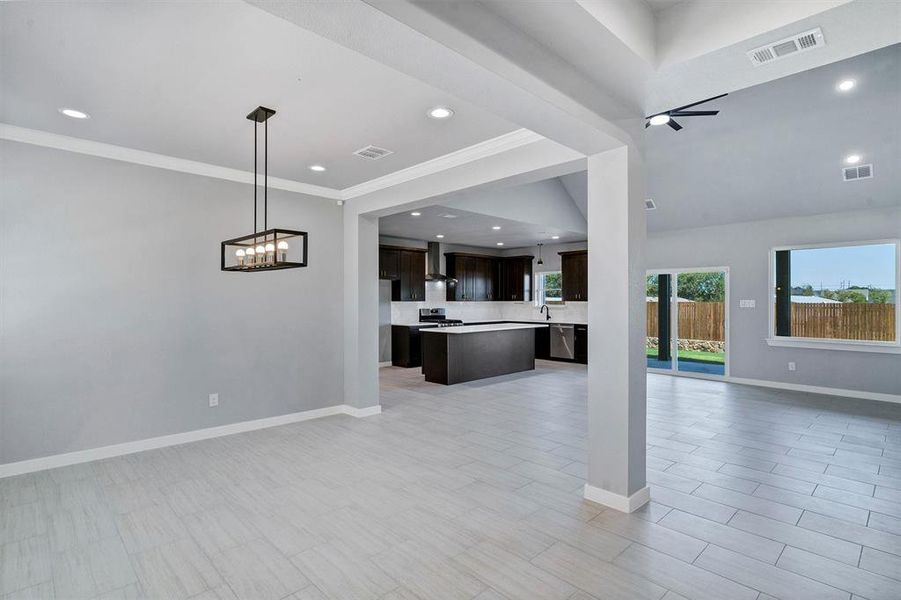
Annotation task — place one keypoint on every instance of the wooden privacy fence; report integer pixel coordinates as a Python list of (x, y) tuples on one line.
[(847, 321), (706, 321), (697, 320)]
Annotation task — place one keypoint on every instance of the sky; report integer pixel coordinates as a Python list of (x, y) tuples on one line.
[(872, 265)]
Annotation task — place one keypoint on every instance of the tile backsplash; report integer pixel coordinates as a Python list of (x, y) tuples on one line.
[(408, 312)]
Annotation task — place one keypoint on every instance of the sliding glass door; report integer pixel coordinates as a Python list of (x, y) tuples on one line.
[(688, 321)]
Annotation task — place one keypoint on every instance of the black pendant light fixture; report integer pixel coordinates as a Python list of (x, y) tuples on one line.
[(269, 249), (540, 262)]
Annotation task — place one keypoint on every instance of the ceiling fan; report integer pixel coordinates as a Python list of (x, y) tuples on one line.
[(666, 117)]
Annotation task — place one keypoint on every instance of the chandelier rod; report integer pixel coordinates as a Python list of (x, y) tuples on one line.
[(266, 175), (254, 176)]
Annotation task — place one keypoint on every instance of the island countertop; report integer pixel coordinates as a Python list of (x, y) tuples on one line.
[(480, 328)]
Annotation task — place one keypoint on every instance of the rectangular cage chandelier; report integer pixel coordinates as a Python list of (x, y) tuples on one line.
[(269, 249)]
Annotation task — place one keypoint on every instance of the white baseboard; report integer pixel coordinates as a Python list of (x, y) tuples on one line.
[(816, 389), (362, 412), (783, 385), (92, 454), (626, 504), (385, 363)]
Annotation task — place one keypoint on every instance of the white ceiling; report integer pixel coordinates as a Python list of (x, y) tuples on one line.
[(658, 5), (179, 78), (471, 229)]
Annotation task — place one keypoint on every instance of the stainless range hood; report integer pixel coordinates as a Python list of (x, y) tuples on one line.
[(433, 270)]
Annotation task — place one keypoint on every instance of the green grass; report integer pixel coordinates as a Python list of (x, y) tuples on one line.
[(710, 357)]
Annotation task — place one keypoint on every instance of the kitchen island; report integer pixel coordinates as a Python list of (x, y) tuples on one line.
[(456, 354)]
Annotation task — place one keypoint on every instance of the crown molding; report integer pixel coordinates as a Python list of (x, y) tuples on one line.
[(497, 145), (152, 159), (491, 147)]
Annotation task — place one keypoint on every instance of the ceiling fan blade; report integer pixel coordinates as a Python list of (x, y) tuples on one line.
[(674, 125), (694, 113), (696, 103)]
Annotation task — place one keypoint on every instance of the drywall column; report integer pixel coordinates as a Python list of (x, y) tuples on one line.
[(361, 311), (617, 394)]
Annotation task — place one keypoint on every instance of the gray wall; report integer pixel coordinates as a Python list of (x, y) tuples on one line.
[(117, 323), (744, 248)]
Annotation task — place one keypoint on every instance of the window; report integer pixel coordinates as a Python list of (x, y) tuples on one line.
[(845, 293), (550, 288)]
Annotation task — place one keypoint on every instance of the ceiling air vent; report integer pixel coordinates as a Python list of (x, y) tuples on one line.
[(858, 172), (649, 204), (797, 43), (373, 152)]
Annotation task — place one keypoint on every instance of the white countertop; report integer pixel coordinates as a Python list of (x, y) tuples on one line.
[(481, 321), (478, 328)]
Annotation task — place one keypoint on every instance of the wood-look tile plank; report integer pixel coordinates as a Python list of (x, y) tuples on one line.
[(840, 575), (765, 577)]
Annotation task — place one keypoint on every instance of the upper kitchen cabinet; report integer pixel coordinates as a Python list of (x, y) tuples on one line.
[(575, 275), (389, 263), (405, 267), (515, 276), (476, 277)]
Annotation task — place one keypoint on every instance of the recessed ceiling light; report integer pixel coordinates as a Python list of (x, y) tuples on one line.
[(852, 159), (441, 112), (439, 236), (317, 168), (555, 237), (496, 227), (415, 214), (500, 243), (846, 85), (659, 120), (74, 114)]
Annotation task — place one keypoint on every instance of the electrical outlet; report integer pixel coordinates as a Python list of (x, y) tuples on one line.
[(214, 400), (747, 303), (792, 366)]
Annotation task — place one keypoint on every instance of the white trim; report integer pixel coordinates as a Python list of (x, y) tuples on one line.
[(385, 363), (829, 344), (816, 389), (784, 385), (369, 411), (674, 326), (175, 439), (152, 159), (824, 344), (497, 145), (626, 504), (484, 149)]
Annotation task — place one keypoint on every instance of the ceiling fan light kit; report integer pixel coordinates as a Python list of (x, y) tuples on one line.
[(269, 249), (666, 117)]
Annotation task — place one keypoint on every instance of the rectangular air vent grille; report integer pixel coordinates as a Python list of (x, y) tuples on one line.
[(858, 172), (649, 204), (801, 42), (373, 152)]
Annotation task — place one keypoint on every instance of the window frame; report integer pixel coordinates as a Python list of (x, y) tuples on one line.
[(539, 289), (833, 344)]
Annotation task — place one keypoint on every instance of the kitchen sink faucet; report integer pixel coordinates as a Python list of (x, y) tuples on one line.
[(545, 308)]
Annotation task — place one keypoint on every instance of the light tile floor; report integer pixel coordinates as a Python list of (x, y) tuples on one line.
[(474, 491)]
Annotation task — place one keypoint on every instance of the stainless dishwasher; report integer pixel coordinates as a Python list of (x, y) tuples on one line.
[(562, 341)]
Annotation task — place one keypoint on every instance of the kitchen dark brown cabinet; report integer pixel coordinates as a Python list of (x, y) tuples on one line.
[(580, 343), (405, 267), (389, 263), (575, 275), (474, 275), (487, 278), (516, 278)]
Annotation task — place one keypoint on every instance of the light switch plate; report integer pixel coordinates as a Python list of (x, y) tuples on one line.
[(747, 303), (214, 400), (792, 366)]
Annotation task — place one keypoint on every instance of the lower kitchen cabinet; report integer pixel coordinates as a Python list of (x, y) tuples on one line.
[(543, 343), (580, 341)]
